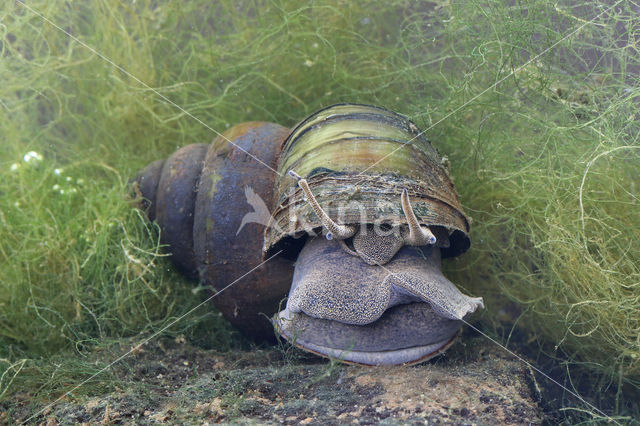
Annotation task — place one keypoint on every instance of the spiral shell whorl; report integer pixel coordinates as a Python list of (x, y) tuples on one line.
[(169, 189), (145, 186), (198, 198)]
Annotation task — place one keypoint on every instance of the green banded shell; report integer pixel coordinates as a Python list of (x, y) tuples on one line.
[(357, 159)]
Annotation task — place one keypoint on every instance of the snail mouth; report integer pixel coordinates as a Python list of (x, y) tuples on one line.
[(341, 307)]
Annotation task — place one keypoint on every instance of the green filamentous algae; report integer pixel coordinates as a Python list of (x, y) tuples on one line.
[(534, 104)]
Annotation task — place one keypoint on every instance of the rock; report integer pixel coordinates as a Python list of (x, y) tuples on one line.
[(475, 382)]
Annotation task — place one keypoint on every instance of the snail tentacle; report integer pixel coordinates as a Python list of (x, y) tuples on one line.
[(340, 232), (418, 235)]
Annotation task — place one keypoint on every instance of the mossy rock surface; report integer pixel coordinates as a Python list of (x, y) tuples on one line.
[(172, 381)]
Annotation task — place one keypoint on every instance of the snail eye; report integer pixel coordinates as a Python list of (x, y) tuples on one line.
[(432, 239)]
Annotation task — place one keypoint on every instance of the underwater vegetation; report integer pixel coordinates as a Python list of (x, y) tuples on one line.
[(535, 106)]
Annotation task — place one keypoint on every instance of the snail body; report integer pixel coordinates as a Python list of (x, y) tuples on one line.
[(370, 290)]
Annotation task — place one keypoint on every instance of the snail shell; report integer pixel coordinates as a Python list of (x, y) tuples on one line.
[(354, 161), (197, 196)]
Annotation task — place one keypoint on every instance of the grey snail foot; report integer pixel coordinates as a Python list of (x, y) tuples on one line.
[(403, 312)]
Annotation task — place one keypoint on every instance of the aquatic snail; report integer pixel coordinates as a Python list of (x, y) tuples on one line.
[(352, 210)]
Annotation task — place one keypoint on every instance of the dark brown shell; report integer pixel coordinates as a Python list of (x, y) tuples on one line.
[(198, 198)]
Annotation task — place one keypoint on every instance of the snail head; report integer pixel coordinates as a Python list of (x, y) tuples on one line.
[(374, 248), (373, 298)]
